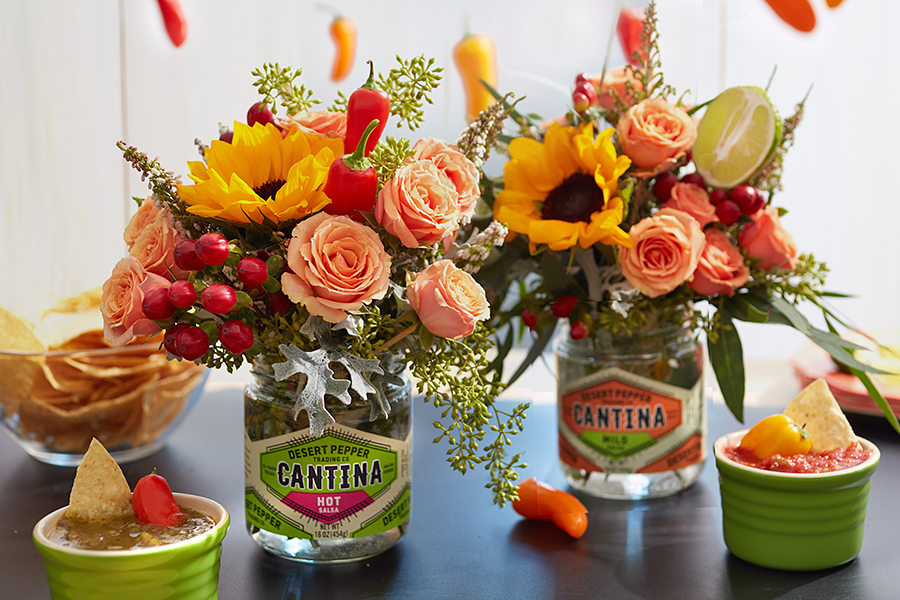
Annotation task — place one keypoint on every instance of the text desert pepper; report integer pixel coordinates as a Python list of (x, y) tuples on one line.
[(352, 182), (777, 434), (543, 502), (153, 502), (343, 32), (365, 105), (476, 58)]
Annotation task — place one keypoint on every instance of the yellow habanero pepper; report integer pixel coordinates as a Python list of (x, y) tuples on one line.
[(476, 59), (778, 434)]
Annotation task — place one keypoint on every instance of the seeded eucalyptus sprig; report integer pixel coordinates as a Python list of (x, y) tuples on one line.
[(274, 82), (390, 155), (409, 87)]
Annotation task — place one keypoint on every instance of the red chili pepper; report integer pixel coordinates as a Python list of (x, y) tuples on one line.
[(543, 502), (352, 182), (176, 22), (628, 27), (365, 105), (154, 503)]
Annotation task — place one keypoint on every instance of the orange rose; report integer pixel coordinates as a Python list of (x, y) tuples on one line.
[(122, 299), (766, 238), (154, 248), (147, 213), (324, 122), (614, 80), (721, 269), (667, 247), (693, 200), (459, 170), (448, 300), (337, 265), (419, 205), (655, 134)]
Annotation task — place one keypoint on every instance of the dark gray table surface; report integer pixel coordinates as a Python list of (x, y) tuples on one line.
[(458, 544)]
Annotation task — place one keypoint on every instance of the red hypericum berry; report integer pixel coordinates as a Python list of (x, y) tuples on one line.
[(584, 76), (156, 305), (252, 271), (756, 206), (728, 212), (563, 307), (279, 303), (191, 343), (186, 256), (662, 187), (218, 298), (717, 196), (169, 337), (529, 319), (580, 102), (212, 248), (236, 336), (226, 136), (260, 113), (694, 178), (748, 198), (182, 294), (578, 330), (587, 88)]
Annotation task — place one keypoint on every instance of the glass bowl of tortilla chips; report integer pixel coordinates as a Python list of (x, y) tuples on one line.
[(62, 385)]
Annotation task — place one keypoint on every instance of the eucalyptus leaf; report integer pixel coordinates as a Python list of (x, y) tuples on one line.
[(877, 397), (537, 348), (727, 358)]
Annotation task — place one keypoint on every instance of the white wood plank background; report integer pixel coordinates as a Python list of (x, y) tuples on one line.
[(75, 77)]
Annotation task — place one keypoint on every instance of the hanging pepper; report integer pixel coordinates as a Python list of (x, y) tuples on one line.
[(543, 502), (343, 32), (154, 503), (476, 58), (175, 21), (366, 104), (352, 182), (778, 434), (798, 14), (628, 28)]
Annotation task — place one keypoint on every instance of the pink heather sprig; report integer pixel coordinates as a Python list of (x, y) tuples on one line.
[(471, 255)]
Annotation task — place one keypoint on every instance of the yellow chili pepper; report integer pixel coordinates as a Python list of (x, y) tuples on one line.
[(343, 32), (476, 58), (778, 434)]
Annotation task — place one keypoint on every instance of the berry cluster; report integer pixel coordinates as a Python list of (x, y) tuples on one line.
[(561, 308), (730, 204), (584, 95)]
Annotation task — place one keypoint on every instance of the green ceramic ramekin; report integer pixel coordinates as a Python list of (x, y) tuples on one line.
[(793, 521), (187, 570)]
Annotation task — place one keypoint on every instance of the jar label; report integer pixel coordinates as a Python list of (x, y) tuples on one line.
[(614, 421), (344, 484)]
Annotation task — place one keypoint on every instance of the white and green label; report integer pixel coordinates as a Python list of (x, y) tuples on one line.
[(345, 483)]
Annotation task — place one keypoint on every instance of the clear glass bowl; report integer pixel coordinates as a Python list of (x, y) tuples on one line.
[(129, 398)]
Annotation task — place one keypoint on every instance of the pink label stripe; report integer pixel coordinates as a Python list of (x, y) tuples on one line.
[(327, 508)]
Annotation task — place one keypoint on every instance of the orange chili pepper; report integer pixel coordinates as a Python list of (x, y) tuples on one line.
[(476, 58), (833, 3), (796, 13), (543, 502), (343, 32)]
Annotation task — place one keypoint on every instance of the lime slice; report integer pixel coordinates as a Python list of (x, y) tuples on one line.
[(739, 130)]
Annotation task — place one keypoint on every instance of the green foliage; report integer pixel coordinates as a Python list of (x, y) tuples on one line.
[(276, 83), (390, 155), (409, 87), (340, 103)]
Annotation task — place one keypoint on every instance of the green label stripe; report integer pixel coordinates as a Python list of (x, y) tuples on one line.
[(264, 516), (396, 513), (617, 445)]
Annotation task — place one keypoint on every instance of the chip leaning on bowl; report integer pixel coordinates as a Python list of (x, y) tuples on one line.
[(62, 384), (796, 485)]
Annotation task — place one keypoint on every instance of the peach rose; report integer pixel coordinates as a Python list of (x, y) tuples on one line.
[(448, 300), (154, 248), (721, 269), (323, 122), (419, 205), (615, 79), (766, 238), (337, 265), (147, 213), (122, 299), (459, 170), (655, 134), (667, 248), (693, 200)]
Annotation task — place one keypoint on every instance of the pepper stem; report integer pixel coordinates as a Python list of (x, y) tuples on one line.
[(370, 82), (358, 160)]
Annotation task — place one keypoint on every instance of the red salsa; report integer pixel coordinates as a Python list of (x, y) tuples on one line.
[(833, 460)]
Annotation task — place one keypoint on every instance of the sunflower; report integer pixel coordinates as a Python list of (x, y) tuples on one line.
[(262, 175), (563, 192)]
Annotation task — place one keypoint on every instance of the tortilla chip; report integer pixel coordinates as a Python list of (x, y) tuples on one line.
[(100, 490), (17, 373), (816, 409)]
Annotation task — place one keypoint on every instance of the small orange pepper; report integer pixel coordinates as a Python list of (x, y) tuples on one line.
[(543, 502), (796, 13), (476, 58), (343, 32), (778, 434)]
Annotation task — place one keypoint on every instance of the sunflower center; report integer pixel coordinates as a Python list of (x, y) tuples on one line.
[(268, 190), (575, 199)]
